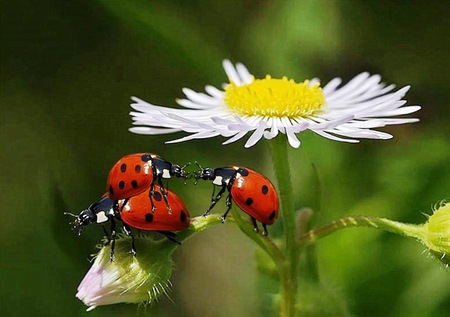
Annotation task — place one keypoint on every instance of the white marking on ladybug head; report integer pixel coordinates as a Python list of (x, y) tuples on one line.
[(165, 173), (218, 180), (101, 217)]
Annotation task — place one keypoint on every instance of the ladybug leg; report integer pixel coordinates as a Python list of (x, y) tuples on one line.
[(108, 240), (228, 202), (214, 201), (129, 233), (170, 236), (124, 204), (151, 192), (112, 238), (164, 193), (265, 233), (255, 225)]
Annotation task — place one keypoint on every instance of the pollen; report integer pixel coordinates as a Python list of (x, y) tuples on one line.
[(272, 97)]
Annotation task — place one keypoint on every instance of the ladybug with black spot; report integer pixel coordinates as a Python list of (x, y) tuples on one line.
[(135, 173), (136, 212), (250, 190)]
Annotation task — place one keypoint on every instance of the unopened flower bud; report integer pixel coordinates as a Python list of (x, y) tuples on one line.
[(128, 279), (436, 233)]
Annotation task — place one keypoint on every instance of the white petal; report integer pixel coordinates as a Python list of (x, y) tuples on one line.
[(236, 137), (231, 72), (244, 74), (257, 135), (201, 98), (199, 135), (401, 111), (334, 138), (214, 92), (292, 138), (151, 131), (190, 104), (331, 86)]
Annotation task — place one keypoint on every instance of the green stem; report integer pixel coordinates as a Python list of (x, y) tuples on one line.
[(288, 272), (264, 242), (199, 224), (404, 229)]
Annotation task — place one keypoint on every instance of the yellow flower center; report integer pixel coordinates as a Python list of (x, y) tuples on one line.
[(275, 98)]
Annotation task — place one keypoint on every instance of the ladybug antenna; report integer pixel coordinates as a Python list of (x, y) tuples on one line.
[(186, 175), (71, 214), (198, 174), (76, 225)]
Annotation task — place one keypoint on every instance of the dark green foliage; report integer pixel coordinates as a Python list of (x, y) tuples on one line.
[(68, 69)]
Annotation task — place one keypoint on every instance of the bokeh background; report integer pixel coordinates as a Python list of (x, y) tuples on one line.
[(68, 69)]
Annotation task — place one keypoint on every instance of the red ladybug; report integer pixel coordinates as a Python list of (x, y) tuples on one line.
[(135, 173), (136, 212), (251, 191)]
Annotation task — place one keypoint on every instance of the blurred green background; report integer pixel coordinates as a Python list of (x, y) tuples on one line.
[(68, 69)]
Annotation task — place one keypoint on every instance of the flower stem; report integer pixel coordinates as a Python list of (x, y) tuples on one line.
[(288, 272), (404, 229)]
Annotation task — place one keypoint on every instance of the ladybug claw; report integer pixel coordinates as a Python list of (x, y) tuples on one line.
[(222, 218)]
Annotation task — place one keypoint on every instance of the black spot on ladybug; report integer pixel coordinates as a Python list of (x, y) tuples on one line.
[(265, 189), (111, 190), (243, 171), (183, 216), (123, 167), (148, 217), (249, 201), (134, 184), (157, 196), (146, 157), (137, 168), (272, 215), (121, 184)]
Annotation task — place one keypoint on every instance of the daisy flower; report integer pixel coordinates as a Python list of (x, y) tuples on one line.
[(269, 106)]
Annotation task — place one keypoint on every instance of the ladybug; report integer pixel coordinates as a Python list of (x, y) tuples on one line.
[(135, 173), (251, 191), (136, 212)]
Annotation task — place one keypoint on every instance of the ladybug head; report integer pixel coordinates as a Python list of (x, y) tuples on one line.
[(178, 171), (204, 173), (85, 217), (99, 212)]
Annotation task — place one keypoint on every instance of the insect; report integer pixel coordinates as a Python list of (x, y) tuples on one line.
[(251, 191), (136, 212), (135, 173)]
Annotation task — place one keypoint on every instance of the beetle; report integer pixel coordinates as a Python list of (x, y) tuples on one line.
[(136, 212), (250, 190), (135, 173)]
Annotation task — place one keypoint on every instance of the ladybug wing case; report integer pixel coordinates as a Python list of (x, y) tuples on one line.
[(256, 196), (137, 213)]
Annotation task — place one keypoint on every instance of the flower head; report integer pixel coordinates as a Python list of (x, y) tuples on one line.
[(129, 279), (269, 106)]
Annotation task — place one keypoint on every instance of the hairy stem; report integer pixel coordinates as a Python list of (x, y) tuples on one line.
[(288, 272), (404, 229)]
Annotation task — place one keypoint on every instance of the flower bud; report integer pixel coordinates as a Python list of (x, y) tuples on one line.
[(128, 279), (436, 233)]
